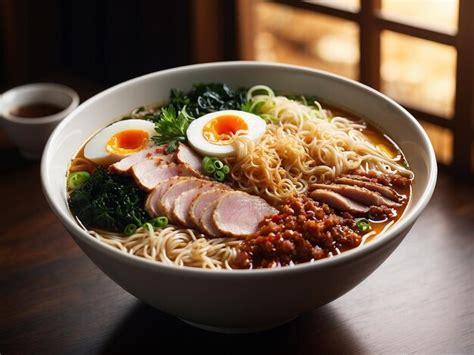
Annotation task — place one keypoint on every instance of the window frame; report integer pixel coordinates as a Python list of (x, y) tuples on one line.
[(372, 22)]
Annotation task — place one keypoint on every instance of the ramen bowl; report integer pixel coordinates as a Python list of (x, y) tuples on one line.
[(239, 300)]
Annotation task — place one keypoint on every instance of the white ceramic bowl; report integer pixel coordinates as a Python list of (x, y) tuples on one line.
[(242, 300)]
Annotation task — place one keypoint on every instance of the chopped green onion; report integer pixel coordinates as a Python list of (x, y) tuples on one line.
[(363, 224), (214, 167), (218, 164), (77, 179), (130, 229), (159, 222), (219, 175), (148, 226), (206, 161), (209, 168)]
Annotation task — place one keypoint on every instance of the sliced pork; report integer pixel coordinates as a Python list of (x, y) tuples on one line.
[(124, 165), (166, 204), (207, 223), (186, 155), (200, 203), (183, 203), (382, 189), (149, 179), (155, 195), (238, 214), (150, 163), (339, 202), (359, 194)]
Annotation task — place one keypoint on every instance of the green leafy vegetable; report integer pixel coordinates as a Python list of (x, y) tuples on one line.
[(171, 127), (363, 224), (77, 179), (109, 201), (208, 97)]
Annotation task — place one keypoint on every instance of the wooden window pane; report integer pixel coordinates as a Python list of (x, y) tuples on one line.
[(351, 5), (419, 73), (442, 140), (296, 36), (442, 14)]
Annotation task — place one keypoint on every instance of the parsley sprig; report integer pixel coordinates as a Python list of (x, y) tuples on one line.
[(171, 127)]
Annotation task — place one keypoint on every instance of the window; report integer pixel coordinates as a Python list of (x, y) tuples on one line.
[(420, 53)]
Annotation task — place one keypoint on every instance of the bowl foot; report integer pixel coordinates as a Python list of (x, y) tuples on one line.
[(226, 330)]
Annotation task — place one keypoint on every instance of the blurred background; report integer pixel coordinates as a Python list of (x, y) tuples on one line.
[(421, 53)]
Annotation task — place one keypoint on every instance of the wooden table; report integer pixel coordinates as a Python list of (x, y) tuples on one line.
[(54, 300)]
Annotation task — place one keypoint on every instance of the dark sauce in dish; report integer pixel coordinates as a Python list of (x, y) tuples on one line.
[(36, 110)]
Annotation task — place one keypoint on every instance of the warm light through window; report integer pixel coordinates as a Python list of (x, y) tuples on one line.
[(419, 73), (442, 14), (295, 36)]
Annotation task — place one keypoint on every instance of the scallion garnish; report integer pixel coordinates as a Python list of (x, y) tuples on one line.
[(209, 169), (130, 229), (214, 167), (77, 179), (363, 224), (159, 222), (148, 227), (218, 164), (219, 175)]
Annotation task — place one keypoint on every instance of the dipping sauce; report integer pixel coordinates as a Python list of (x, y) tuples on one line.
[(36, 109)]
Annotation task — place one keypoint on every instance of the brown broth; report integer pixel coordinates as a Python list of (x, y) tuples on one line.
[(36, 110), (379, 138)]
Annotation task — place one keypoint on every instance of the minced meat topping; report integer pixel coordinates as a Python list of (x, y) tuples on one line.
[(304, 230)]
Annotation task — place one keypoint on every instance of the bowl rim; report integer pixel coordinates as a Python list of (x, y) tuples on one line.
[(391, 234)]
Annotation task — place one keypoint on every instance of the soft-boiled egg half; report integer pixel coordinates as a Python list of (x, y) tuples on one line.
[(119, 140), (212, 133)]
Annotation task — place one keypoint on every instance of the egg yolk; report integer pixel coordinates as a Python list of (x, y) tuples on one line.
[(221, 129), (127, 142)]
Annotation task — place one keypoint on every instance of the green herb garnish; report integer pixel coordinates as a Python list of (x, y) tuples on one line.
[(363, 224), (130, 229), (171, 127), (159, 222), (215, 168), (219, 175), (148, 227), (77, 179)]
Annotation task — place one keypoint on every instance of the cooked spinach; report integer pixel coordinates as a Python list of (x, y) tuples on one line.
[(108, 201), (208, 97)]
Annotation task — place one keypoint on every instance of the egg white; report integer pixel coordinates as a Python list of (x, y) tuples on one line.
[(256, 127), (96, 148)]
